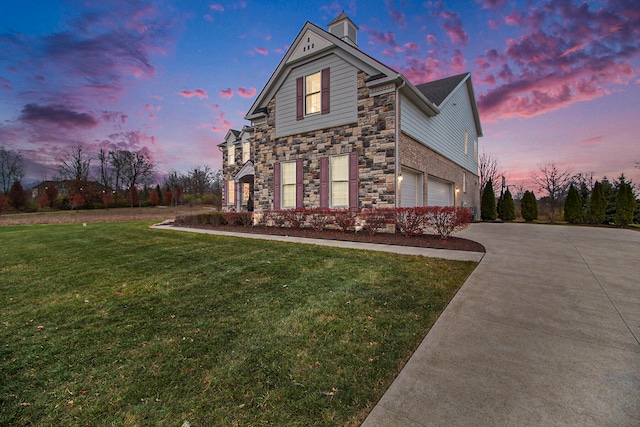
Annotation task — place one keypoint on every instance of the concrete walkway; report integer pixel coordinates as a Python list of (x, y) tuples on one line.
[(544, 332), (406, 250)]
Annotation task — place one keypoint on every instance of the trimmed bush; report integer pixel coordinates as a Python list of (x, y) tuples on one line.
[(625, 204), (345, 219), (376, 219), (319, 218), (488, 205), (447, 220), (573, 206), (410, 221), (598, 205), (529, 206), (509, 208)]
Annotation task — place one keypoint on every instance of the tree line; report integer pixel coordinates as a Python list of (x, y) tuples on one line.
[(576, 198), (108, 178)]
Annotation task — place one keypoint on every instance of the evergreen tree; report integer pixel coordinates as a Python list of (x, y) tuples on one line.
[(598, 204), (573, 206), (625, 204), (610, 196), (529, 206), (509, 208), (488, 204)]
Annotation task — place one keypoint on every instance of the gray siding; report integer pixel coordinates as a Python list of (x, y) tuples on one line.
[(444, 133), (343, 98)]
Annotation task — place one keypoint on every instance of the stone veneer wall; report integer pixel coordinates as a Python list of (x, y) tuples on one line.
[(372, 136), (419, 157)]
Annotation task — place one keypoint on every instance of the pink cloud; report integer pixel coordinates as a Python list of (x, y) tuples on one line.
[(397, 17), (411, 46), (267, 37), (5, 83), (200, 93), (207, 17), (246, 93), (226, 93), (262, 51), (564, 53), (216, 7), (452, 25)]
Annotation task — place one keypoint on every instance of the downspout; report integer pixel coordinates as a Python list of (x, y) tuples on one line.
[(397, 168)]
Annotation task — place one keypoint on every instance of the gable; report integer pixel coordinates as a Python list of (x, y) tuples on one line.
[(310, 43)]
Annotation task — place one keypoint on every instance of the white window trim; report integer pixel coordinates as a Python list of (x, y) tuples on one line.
[(466, 142), (308, 93), (332, 159), (246, 152), (231, 155), (284, 185)]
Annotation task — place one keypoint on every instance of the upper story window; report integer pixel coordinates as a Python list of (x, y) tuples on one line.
[(231, 155), (246, 152), (312, 94), (466, 142)]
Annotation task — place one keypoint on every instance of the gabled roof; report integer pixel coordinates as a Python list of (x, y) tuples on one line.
[(429, 96), (438, 90), (235, 133), (332, 44)]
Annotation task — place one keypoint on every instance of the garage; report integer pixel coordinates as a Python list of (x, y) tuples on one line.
[(411, 190), (439, 192)]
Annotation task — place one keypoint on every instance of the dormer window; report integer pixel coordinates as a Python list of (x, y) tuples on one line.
[(312, 94)]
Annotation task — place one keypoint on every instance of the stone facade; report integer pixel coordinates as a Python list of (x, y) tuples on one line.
[(372, 136), (421, 158)]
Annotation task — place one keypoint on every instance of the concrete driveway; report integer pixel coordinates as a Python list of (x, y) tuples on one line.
[(544, 332)]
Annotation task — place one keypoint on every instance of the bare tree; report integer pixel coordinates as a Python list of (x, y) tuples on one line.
[(488, 169), (518, 190), (10, 169), (137, 167), (75, 166), (106, 172), (552, 182)]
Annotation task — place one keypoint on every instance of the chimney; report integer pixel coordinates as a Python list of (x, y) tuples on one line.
[(344, 28)]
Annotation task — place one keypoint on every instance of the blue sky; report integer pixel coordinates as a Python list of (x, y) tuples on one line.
[(556, 80)]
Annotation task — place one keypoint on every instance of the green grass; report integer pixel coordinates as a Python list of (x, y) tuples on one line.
[(118, 324)]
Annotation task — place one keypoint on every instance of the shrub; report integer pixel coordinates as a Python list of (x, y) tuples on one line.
[(446, 220), (625, 204), (345, 218), (238, 218), (17, 196), (295, 218), (409, 221), (488, 204), (319, 218), (277, 218), (573, 206), (509, 208), (4, 204), (598, 204), (375, 219), (529, 206)]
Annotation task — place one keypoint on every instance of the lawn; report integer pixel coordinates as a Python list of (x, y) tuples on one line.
[(119, 324)]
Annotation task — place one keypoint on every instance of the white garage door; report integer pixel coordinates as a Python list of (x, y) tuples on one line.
[(439, 192), (411, 191)]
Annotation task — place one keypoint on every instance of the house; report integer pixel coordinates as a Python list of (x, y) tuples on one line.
[(335, 128), (67, 188)]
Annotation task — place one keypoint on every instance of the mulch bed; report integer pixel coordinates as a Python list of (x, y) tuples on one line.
[(425, 240)]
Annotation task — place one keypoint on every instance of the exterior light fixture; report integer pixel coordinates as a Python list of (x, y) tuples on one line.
[(399, 178)]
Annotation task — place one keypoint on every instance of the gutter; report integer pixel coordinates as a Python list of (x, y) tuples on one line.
[(397, 173)]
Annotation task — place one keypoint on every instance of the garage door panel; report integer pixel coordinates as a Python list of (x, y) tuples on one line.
[(411, 192), (439, 192)]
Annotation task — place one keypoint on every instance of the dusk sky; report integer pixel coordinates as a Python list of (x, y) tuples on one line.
[(555, 81)]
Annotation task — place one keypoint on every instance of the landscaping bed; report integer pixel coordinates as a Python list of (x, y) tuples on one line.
[(422, 240)]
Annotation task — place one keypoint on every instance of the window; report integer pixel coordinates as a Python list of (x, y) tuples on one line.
[(231, 155), (289, 185), (475, 150), (246, 152), (466, 142), (339, 166), (231, 189), (246, 188), (464, 182), (312, 96)]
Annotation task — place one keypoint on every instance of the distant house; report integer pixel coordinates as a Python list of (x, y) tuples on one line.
[(336, 128), (67, 188)]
